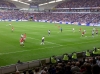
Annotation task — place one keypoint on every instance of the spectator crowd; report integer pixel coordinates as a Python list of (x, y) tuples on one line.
[(88, 65), (79, 3), (51, 16), (70, 17), (6, 4)]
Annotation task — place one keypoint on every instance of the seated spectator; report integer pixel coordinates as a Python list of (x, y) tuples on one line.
[(30, 72), (17, 72), (88, 69), (98, 61), (67, 70), (44, 71), (37, 71), (78, 73), (95, 69), (58, 70), (82, 68), (52, 69), (75, 68)]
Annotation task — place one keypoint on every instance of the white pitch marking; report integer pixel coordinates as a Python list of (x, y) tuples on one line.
[(68, 44), (45, 41), (13, 52), (44, 48), (26, 50)]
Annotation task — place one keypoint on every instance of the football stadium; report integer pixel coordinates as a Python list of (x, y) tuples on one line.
[(49, 36)]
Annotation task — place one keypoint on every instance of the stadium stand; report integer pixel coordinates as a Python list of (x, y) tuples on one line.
[(79, 3), (13, 15), (73, 17), (51, 16), (6, 4), (76, 17), (59, 65)]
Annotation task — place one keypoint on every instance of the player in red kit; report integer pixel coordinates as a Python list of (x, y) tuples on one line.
[(80, 30), (24, 36), (96, 32), (83, 33), (21, 41), (12, 28)]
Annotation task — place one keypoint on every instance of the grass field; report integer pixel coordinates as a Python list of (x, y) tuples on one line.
[(56, 44)]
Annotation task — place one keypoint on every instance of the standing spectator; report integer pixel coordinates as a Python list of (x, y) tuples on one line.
[(65, 58), (75, 68), (74, 56)]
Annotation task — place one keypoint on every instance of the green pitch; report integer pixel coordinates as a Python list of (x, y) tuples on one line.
[(56, 44)]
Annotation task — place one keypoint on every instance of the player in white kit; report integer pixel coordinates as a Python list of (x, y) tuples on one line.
[(93, 33), (93, 29), (84, 31), (42, 43), (73, 30), (49, 32), (22, 35)]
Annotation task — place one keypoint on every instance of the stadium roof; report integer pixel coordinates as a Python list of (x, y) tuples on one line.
[(39, 2)]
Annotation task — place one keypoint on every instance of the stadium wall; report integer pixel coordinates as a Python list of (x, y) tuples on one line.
[(13, 20)]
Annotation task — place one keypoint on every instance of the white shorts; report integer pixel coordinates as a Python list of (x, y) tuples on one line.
[(24, 38), (21, 42)]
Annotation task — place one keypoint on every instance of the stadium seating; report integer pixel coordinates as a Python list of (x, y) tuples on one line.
[(6, 4), (72, 17), (79, 3), (13, 15)]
